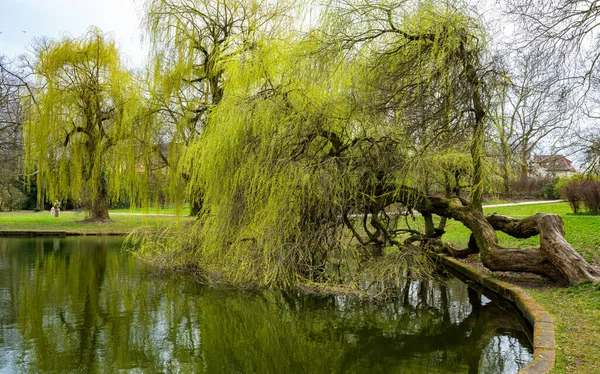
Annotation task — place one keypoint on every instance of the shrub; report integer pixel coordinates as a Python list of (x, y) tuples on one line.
[(571, 193), (590, 192), (539, 187), (549, 189), (581, 190)]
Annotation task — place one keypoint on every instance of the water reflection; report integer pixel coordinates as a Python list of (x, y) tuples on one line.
[(82, 305)]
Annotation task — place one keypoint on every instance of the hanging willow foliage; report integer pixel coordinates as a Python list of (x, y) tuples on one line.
[(192, 41), (315, 135), (80, 134)]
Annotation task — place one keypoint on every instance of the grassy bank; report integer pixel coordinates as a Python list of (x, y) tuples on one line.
[(576, 313), (576, 310), (73, 222)]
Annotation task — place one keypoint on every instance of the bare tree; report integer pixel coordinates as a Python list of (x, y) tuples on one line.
[(566, 32), (540, 109), (567, 35), (11, 146)]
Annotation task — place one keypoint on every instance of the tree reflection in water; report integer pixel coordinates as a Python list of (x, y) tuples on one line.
[(82, 305)]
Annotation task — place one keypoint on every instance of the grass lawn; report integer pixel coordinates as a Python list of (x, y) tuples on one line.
[(576, 310), (184, 210), (72, 222)]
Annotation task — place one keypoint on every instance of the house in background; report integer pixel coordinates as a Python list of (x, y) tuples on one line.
[(552, 166)]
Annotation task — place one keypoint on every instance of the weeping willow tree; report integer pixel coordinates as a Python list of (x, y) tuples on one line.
[(295, 152), (192, 41), (460, 53), (317, 140), (79, 134)]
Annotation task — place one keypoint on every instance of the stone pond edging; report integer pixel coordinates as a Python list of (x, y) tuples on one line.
[(544, 345)]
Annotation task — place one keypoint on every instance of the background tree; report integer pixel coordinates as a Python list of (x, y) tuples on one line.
[(503, 131), (538, 109), (11, 144), (590, 145), (563, 31), (567, 35), (79, 133)]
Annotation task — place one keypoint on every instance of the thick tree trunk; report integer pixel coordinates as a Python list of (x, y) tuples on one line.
[(497, 258), (195, 208), (572, 267), (472, 248), (555, 258), (523, 167), (99, 209), (506, 168), (196, 204)]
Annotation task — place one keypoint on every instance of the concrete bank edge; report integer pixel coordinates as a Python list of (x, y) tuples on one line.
[(544, 344)]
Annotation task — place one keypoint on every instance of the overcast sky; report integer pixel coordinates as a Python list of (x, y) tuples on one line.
[(55, 18), (23, 20)]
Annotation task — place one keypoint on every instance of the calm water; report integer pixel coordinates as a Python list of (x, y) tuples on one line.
[(82, 305)]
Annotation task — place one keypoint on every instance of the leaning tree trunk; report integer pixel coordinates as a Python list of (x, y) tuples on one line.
[(571, 267), (555, 258), (497, 258)]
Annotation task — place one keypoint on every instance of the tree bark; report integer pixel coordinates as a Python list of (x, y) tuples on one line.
[(553, 246), (99, 209), (195, 208), (517, 228), (497, 258), (555, 258)]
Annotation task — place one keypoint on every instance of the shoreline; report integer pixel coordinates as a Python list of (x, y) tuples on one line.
[(544, 342)]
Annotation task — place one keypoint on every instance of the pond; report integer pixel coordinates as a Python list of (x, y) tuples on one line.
[(82, 305)]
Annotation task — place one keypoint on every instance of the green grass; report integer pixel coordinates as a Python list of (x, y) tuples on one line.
[(576, 313), (72, 222), (184, 211), (500, 201), (527, 210)]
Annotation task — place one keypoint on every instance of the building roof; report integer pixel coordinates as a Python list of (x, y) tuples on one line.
[(554, 163)]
